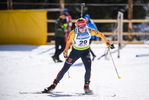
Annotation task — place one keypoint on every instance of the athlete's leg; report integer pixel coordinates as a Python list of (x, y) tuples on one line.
[(87, 63), (74, 55)]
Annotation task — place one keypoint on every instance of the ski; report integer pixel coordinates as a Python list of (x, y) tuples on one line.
[(57, 92), (39, 92), (101, 56), (91, 93), (142, 55), (67, 93)]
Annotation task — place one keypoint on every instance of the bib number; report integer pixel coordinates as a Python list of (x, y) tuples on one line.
[(83, 42)]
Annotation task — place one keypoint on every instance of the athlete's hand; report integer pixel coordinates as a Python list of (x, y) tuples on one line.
[(65, 54), (110, 45)]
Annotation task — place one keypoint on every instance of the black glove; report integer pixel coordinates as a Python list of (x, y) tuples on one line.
[(112, 46)]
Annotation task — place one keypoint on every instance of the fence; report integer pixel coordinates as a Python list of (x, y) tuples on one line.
[(110, 33)]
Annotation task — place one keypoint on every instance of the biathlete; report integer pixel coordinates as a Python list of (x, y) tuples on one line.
[(80, 38)]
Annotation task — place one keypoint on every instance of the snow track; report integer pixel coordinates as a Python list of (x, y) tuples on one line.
[(31, 68)]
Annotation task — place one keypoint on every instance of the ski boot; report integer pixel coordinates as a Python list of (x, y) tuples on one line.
[(58, 60), (93, 58), (87, 89), (54, 58), (51, 87)]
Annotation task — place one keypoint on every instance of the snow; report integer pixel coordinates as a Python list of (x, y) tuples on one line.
[(30, 68)]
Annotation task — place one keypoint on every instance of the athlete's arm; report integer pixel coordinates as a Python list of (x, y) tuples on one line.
[(69, 40), (101, 35)]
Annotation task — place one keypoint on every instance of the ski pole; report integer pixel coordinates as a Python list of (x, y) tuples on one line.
[(68, 75), (114, 64), (82, 5)]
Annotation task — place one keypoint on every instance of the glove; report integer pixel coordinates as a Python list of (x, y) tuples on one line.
[(65, 54), (64, 26), (111, 46)]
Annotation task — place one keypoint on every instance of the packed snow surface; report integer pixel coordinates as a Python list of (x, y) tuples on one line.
[(30, 68)]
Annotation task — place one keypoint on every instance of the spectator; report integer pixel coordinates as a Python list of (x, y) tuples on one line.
[(61, 27), (69, 20)]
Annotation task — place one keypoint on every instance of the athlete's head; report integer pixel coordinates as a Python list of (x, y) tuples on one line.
[(81, 23)]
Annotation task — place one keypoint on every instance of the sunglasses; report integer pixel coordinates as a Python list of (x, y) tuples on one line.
[(82, 27)]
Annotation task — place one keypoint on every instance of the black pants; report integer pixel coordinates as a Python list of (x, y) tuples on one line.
[(59, 41), (74, 55)]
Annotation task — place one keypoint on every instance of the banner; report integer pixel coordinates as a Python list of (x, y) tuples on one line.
[(23, 27)]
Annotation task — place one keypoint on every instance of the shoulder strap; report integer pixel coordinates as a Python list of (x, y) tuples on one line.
[(88, 30), (76, 31)]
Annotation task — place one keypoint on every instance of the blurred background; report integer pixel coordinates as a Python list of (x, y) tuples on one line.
[(97, 9)]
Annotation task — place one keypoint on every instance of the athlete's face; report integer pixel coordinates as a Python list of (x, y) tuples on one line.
[(82, 29)]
